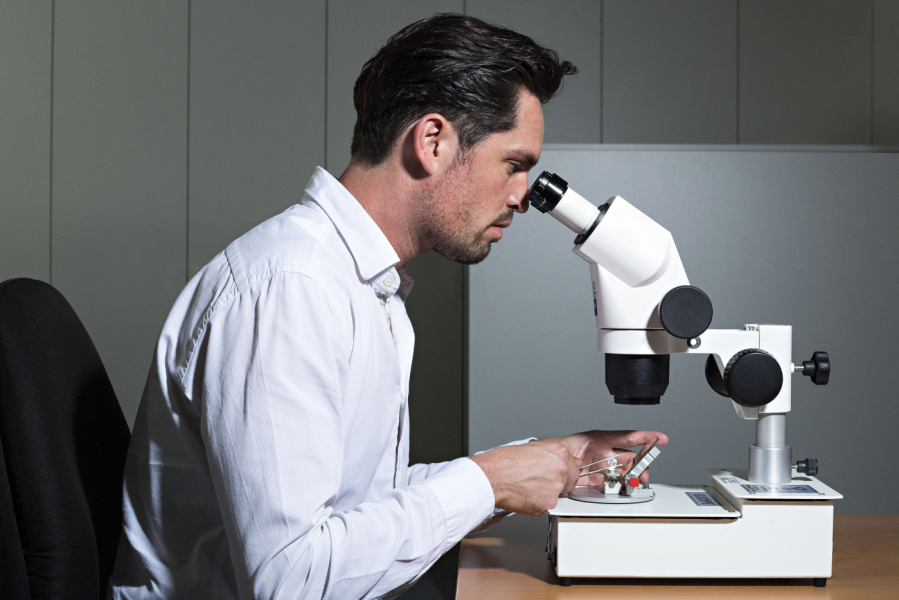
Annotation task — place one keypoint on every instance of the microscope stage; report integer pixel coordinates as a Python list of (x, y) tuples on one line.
[(671, 501)]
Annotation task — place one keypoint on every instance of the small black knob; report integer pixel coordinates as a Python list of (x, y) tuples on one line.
[(685, 312), (818, 368), (809, 466), (753, 378)]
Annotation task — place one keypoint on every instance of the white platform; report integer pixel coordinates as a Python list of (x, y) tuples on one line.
[(776, 534), (734, 483)]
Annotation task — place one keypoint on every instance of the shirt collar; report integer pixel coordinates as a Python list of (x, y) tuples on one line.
[(370, 248)]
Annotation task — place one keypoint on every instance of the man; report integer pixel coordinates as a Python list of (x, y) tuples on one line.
[(270, 453)]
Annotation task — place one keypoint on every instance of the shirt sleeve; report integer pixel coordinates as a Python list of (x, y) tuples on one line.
[(420, 472), (274, 365)]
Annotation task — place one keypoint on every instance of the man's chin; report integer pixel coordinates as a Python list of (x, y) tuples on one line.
[(467, 256)]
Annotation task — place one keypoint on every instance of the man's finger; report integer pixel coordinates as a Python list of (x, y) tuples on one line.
[(644, 477), (629, 439), (573, 475), (625, 457)]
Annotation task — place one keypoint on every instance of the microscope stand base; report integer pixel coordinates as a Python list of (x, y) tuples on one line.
[(695, 532)]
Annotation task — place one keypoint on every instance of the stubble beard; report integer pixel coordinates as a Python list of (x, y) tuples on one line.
[(468, 248), (463, 245)]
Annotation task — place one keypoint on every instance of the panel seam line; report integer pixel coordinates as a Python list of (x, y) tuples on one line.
[(873, 28), (602, 83), (50, 166), (187, 158), (738, 73), (325, 120)]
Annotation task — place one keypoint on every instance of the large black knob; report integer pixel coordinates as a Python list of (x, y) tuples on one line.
[(809, 466), (685, 312), (752, 378), (818, 368), (713, 376)]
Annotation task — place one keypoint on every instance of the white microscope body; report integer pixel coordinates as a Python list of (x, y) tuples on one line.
[(774, 519)]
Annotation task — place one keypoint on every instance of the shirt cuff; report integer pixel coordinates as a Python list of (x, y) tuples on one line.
[(520, 442), (515, 443), (465, 496)]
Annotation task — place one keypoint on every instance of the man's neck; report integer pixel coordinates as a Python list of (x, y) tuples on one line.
[(388, 196)]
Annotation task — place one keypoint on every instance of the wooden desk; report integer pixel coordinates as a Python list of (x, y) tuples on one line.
[(508, 562)]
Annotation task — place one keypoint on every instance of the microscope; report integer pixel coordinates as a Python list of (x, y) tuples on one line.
[(772, 520)]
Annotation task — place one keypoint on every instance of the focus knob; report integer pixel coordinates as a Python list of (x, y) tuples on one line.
[(713, 376), (685, 312), (753, 378), (809, 466)]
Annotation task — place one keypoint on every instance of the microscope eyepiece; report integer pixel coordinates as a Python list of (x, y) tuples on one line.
[(547, 191)]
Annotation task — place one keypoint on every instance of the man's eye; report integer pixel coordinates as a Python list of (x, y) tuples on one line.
[(515, 167)]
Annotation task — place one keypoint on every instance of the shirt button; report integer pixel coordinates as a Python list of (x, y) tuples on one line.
[(389, 281)]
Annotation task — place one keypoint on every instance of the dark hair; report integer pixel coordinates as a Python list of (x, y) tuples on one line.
[(469, 71)]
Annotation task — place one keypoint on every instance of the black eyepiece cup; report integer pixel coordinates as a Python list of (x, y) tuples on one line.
[(546, 192)]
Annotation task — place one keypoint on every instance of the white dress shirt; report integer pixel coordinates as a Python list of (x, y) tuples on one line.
[(269, 457)]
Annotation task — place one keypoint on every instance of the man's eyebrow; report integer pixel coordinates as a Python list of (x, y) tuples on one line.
[(524, 157)]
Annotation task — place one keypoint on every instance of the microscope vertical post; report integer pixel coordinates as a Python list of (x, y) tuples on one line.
[(770, 458)]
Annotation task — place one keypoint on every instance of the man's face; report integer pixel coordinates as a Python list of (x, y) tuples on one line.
[(476, 197)]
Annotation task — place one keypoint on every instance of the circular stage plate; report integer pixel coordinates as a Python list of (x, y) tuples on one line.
[(593, 494)]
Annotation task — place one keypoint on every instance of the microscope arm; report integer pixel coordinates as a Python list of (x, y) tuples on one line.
[(639, 281)]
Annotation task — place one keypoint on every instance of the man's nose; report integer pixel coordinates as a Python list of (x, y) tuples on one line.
[(518, 200)]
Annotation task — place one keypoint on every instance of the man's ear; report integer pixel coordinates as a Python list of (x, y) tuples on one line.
[(435, 142)]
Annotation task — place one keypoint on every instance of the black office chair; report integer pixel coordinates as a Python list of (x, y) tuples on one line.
[(63, 442)]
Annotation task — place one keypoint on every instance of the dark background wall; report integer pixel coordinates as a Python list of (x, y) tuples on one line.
[(138, 139)]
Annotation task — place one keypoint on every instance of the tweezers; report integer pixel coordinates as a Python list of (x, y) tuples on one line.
[(595, 462)]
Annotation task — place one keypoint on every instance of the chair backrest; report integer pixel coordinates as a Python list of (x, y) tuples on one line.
[(63, 442)]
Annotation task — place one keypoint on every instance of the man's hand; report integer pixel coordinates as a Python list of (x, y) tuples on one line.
[(529, 478), (594, 445)]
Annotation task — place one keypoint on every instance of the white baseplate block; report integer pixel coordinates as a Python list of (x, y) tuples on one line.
[(698, 531)]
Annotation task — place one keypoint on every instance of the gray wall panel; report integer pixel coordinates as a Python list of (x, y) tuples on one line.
[(805, 72), (25, 59), (770, 237), (119, 146), (437, 391), (573, 29), (257, 105), (355, 32), (886, 73), (669, 72)]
